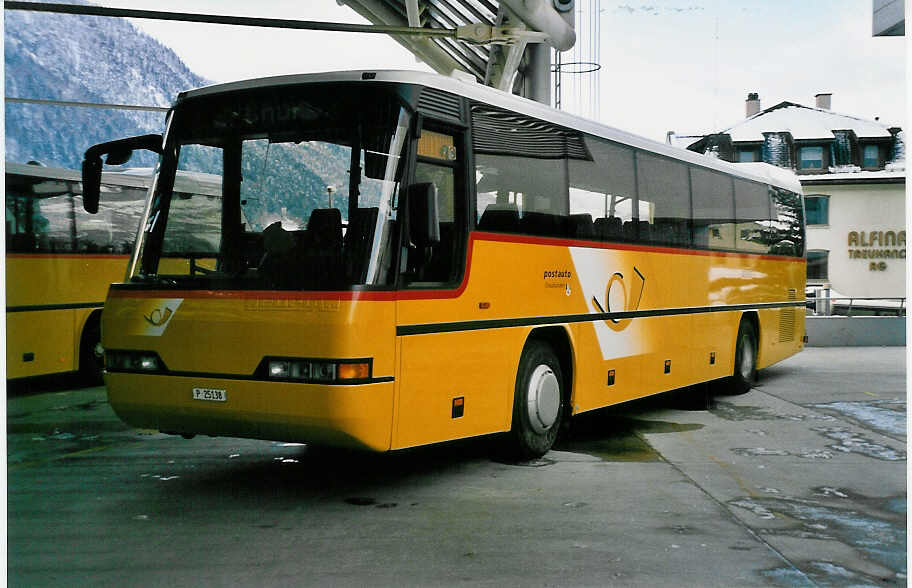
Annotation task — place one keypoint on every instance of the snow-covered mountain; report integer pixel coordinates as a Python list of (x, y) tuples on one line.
[(83, 59), (107, 60)]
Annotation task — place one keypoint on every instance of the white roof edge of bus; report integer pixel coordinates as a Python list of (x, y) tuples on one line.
[(511, 102), (136, 177), (54, 173), (121, 178)]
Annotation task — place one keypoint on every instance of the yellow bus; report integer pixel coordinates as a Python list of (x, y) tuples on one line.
[(60, 261), (402, 259)]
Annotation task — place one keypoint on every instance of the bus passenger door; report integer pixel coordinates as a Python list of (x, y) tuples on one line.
[(439, 371)]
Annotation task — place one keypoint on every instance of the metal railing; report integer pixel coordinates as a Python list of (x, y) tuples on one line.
[(829, 306)]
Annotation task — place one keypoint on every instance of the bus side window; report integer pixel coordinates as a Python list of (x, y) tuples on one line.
[(752, 209), (521, 173), (787, 223), (602, 188), (43, 224), (713, 209), (664, 200), (439, 162), (441, 267)]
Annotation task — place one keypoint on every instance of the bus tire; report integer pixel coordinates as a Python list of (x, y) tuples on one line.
[(745, 373), (538, 402), (90, 360)]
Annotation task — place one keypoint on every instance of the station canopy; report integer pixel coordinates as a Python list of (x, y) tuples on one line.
[(515, 22)]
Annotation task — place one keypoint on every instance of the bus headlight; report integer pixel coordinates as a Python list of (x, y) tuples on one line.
[(316, 370), (133, 361)]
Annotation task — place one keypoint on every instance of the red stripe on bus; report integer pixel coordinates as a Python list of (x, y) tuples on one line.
[(392, 295), (355, 295)]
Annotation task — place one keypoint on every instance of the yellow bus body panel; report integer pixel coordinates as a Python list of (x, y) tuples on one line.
[(217, 340), (514, 277), (37, 285), (356, 416)]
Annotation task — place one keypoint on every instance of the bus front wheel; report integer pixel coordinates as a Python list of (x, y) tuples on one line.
[(538, 402), (745, 373)]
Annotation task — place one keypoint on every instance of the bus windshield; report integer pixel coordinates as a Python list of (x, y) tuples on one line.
[(309, 179)]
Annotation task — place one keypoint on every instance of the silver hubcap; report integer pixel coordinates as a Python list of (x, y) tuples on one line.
[(747, 358), (543, 398)]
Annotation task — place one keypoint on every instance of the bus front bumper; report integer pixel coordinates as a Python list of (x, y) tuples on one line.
[(357, 416)]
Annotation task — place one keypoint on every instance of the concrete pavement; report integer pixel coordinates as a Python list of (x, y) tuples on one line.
[(801, 482)]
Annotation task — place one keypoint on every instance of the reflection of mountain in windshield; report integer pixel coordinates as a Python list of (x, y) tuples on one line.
[(194, 225)]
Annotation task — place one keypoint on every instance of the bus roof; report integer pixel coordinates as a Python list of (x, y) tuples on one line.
[(475, 91)]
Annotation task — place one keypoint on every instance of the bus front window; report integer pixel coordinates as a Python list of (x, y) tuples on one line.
[(305, 183)]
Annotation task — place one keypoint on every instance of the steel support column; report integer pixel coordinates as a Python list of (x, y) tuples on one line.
[(537, 81)]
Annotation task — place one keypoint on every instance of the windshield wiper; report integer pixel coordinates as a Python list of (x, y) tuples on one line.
[(160, 280)]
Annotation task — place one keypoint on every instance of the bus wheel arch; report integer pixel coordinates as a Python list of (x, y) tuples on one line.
[(559, 340), (541, 397), (91, 362)]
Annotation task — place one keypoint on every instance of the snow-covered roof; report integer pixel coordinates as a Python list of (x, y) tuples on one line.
[(885, 174), (803, 122)]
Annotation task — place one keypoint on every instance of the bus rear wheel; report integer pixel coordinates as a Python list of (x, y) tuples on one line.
[(745, 373), (91, 360), (538, 402)]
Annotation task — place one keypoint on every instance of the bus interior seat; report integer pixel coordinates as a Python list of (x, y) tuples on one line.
[(610, 228), (278, 244), (663, 231), (629, 231), (582, 226), (503, 218), (21, 243), (320, 249), (324, 229), (544, 224), (682, 232), (645, 231)]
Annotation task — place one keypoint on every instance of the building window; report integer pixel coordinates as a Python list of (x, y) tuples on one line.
[(817, 209), (870, 156), (817, 266), (748, 155), (810, 157)]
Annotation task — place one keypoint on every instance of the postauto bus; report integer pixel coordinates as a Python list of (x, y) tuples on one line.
[(399, 258)]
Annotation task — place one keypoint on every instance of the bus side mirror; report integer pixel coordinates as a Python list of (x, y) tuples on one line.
[(115, 153), (423, 216), (91, 184)]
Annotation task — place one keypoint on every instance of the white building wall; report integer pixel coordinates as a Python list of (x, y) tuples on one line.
[(862, 208)]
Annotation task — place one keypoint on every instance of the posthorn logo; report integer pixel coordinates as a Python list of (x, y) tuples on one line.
[(159, 317)]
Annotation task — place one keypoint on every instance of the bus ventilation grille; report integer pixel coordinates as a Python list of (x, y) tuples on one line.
[(440, 104), (787, 319)]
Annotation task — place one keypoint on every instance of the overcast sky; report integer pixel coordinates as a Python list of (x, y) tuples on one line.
[(666, 65)]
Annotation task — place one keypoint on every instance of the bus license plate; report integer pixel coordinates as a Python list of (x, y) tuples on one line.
[(210, 394)]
